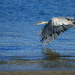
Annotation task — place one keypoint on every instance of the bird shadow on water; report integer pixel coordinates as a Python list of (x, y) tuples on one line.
[(53, 55), (55, 60), (50, 60)]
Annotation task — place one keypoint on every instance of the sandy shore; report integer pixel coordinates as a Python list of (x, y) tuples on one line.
[(38, 73)]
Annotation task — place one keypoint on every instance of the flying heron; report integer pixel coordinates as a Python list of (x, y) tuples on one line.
[(55, 27)]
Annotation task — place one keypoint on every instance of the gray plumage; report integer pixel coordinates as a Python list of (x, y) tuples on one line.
[(55, 27)]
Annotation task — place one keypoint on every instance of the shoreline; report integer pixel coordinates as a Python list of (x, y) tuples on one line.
[(37, 73)]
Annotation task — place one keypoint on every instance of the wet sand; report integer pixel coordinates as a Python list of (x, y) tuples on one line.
[(38, 73)]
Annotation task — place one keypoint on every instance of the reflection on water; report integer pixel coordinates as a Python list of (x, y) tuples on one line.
[(50, 59), (50, 54), (53, 55), (55, 60)]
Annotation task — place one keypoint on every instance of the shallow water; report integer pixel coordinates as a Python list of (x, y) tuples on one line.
[(20, 46)]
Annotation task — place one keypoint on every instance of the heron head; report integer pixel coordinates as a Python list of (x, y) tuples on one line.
[(42, 22)]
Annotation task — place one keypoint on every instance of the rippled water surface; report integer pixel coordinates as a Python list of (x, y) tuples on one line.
[(20, 46)]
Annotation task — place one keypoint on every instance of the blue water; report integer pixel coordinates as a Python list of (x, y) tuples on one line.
[(20, 44)]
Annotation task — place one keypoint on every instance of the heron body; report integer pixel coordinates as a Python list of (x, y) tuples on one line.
[(55, 27)]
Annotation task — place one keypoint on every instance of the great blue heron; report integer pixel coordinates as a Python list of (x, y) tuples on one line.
[(55, 27)]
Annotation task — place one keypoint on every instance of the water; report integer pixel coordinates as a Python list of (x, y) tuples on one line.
[(20, 46)]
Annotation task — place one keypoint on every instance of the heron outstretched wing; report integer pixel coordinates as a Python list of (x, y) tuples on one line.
[(54, 28)]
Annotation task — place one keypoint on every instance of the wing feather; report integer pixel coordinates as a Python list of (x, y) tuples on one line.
[(52, 30)]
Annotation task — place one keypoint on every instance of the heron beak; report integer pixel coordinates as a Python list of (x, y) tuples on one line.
[(36, 23), (43, 22)]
